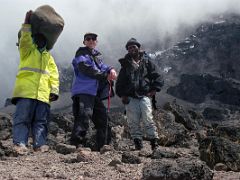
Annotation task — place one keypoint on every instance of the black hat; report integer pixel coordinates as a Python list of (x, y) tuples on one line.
[(90, 34), (132, 41)]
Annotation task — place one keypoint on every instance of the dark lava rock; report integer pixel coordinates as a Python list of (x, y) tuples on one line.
[(130, 158), (215, 150), (182, 169)]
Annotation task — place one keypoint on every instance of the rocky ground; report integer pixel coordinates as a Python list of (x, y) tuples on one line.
[(53, 165), (109, 165), (190, 149)]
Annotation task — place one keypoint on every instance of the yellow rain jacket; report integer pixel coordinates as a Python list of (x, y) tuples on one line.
[(37, 72)]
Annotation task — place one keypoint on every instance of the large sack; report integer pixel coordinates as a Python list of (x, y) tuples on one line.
[(45, 20)]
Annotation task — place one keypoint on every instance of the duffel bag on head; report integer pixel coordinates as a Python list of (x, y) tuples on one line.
[(47, 21)]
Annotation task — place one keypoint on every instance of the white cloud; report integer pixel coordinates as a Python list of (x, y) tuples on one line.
[(114, 20)]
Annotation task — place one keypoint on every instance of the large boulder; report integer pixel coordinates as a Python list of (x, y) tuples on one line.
[(181, 169), (170, 132), (214, 150)]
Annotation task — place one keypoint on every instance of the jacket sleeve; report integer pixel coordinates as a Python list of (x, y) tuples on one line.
[(54, 77), (88, 70), (121, 83), (156, 80), (104, 67), (25, 42), (86, 66)]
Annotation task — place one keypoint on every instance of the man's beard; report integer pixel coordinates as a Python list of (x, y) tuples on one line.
[(134, 55)]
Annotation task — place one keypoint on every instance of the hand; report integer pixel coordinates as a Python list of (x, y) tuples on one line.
[(125, 100), (27, 17), (112, 75), (151, 93), (53, 97)]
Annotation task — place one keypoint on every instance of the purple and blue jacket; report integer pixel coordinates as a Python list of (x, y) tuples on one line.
[(89, 70)]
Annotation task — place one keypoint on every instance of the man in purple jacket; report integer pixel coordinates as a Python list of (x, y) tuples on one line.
[(90, 73)]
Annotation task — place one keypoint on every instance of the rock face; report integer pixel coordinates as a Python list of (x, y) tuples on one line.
[(197, 88), (203, 69), (202, 74)]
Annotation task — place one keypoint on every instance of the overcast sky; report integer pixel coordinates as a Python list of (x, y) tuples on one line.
[(115, 21)]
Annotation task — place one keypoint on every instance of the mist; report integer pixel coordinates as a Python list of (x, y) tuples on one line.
[(115, 21)]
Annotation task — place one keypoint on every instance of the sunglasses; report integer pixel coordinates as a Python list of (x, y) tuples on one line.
[(90, 38)]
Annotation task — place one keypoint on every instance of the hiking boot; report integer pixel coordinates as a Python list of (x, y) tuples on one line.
[(78, 141), (138, 144), (20, 149), (154, 143), (43, 148)]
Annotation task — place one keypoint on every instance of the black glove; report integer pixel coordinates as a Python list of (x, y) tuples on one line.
[(53, 97)]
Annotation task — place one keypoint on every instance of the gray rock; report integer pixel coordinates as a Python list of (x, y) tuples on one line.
[(170, 132), (53, 128), (5, 126), (183, 169), (220, 167), (84, 156), (130, 158), (115, 162), (106, 148), (159, 154), (215, 150), (65, 149)]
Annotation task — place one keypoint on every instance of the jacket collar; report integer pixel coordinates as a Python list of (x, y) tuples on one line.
[(86, 51), (127, 60)]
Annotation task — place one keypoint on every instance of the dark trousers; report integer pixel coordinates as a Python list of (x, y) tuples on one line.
[(85, 108)]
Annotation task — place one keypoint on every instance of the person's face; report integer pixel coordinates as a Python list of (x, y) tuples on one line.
[(90, 42), (133, 50)]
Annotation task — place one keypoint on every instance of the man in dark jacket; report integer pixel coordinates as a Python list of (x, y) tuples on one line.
[(91, 74), (137, 83)]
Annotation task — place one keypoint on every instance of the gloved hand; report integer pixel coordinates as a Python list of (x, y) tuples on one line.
[(125, 100), (151, 93), (53, 97)]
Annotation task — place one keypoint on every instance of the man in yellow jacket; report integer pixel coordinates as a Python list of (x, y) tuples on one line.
[(37, 84)]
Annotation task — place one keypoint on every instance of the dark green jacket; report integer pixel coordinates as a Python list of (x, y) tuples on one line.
[(136, 81)]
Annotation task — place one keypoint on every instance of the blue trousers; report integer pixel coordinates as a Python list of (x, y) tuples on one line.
[(33, 115)]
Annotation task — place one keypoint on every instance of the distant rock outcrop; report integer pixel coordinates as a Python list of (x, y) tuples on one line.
[(203, 71)]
